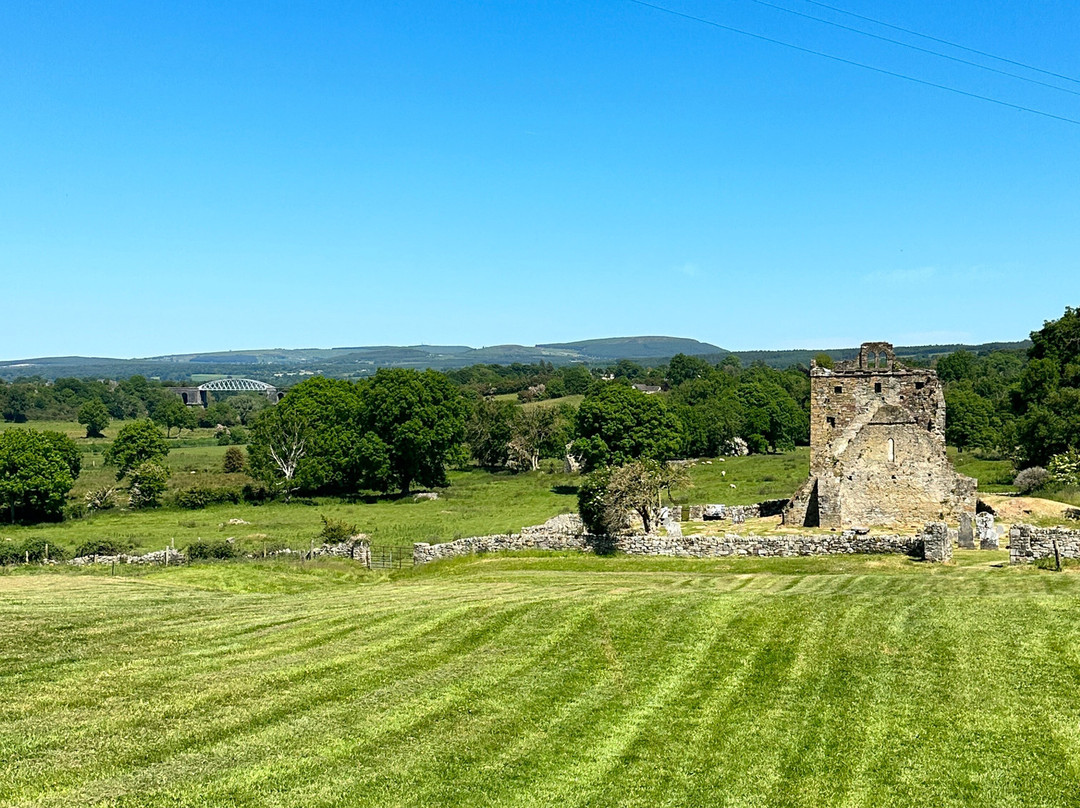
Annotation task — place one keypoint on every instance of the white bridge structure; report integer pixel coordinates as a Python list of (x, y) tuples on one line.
[(198, 396)]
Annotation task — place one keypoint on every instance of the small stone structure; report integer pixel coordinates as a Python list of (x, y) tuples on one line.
[(877, 447), (937, 543), (986, 531), (1028, 543)]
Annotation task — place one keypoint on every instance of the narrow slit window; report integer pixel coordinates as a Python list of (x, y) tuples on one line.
[(877, 387), (831, 421), (892, 450)]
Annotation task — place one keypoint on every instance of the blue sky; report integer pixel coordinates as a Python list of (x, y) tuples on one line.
[(201, 176)]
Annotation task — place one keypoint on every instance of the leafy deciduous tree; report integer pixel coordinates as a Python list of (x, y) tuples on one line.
[(136, 443), (95, 417), (37, 470)]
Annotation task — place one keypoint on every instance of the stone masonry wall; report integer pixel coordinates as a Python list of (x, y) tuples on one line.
[(877, 448), (1028, 543), (846, 543)]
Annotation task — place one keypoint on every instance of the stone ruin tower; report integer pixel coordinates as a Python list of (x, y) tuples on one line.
[(877, 447)]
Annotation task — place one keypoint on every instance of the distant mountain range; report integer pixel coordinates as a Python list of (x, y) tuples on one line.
[(286, 365)]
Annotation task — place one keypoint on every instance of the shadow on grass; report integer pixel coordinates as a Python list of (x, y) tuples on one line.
[(566, 490)]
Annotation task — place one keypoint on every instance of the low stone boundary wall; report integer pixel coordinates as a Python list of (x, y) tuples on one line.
[(934, 542), (163, 557), (1028, 543), (849, 542), (423, 552)]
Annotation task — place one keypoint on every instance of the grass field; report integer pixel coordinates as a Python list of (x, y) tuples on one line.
[(544, 680)]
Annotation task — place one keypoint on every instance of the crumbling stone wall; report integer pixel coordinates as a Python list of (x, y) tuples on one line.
[(934, 543), (877, 447), (1028, 543)]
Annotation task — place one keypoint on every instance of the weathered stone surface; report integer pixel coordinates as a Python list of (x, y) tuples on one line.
[(1072, 513), (937, 545), (739, 513), (568, 524), (1028, 543), (842, 543), (877, 447), (985, 530), (966, 534), (172, 555)]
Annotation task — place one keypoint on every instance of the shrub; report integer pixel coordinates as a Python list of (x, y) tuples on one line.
[(148, 481), (1031, 479), (106, 547), (37, 547), (202, 550), (100, 499), (233, 436), (9, 553), (592, 502), (198, 497), (255, 493), (335, 531), (234, 460), (1064, 469)]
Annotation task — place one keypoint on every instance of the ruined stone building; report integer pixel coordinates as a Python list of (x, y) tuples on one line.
[(877, 447)]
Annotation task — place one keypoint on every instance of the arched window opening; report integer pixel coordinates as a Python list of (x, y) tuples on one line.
[(892, 450)]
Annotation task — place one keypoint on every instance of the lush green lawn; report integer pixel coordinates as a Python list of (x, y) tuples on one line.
[(538, 681)]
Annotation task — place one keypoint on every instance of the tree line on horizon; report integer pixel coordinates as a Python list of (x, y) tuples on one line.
[(401, 428)]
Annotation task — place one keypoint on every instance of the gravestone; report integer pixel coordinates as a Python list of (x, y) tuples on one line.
[(966, 534), (985, 530)]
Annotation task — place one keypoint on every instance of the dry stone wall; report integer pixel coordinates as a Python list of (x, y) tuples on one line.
[(848, 542), (1028, 543), (170, 557)]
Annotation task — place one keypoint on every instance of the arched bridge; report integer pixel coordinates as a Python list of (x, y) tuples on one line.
[(237, 386), (198, 396)]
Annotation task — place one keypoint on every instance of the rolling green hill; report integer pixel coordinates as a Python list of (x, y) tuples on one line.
[(285, 366)]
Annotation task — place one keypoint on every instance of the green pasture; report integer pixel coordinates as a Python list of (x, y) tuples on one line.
[(543, 680)]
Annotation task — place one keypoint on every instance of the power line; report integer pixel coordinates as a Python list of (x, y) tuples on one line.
[(914, 47), (853, 63), (945, 42)]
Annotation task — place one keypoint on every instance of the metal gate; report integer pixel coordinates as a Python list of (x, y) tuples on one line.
[(391, 558)]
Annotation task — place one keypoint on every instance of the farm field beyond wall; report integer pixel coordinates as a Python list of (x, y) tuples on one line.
[(543, 680)]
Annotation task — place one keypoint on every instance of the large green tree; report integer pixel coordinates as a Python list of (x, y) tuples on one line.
[(311, 441), (1046, 398), (135, 443), (170, 411), (37, 470), (489, 430), (616, 424), (415, 423), (970, 419), (95, 417)]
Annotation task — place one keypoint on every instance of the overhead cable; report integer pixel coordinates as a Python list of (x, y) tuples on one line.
[(853, 63), (914, 47), (945, 42)]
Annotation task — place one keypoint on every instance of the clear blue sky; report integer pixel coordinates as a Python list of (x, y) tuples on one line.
[(196, 176)]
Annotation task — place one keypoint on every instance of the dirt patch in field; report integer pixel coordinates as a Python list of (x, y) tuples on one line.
[(1023, 509)]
